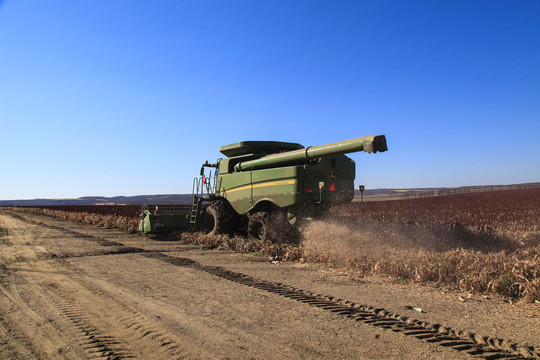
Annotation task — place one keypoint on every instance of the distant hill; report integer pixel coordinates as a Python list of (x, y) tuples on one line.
[(169, 199), (177, 199)]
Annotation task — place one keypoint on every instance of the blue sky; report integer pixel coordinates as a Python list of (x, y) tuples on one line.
[(130, 97)]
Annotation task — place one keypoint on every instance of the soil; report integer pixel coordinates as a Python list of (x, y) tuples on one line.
[(75, 291)]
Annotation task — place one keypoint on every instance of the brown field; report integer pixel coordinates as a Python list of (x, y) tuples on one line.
[(411, 279), (480, 242)]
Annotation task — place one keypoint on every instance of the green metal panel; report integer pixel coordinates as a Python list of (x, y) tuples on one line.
[(327, 181), (282, 186), (226, 166), (154, 223), (257, 147), (330, 181), (236, 188)]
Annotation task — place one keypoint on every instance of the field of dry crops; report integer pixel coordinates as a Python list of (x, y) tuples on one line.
[(122, 217), (480, 242)]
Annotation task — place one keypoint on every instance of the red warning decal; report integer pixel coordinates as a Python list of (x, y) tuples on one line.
[(332, 187)]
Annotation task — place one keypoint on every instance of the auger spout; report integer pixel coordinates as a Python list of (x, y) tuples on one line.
[(369, 144)]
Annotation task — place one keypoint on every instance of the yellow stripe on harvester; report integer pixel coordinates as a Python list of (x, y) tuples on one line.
[(270, 183)]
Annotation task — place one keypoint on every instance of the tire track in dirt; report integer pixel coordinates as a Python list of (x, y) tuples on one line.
[(93, 341), (103, 326), (99, 328), (13, 344), (479, 346), (29, 330), (488, 348)]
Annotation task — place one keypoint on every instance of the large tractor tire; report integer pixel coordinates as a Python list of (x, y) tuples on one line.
[(272, 227), (258, 226), (221, 218)]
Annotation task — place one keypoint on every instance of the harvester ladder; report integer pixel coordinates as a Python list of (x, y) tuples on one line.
[(203, 189), (193, 214), (196, 197)]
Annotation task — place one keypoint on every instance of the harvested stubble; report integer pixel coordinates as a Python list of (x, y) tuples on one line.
[(481, 242), (242, 245), (128, 224)]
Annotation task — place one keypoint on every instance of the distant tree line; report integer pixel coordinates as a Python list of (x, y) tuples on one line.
[(420, 193)]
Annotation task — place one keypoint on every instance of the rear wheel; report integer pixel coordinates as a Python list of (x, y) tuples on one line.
[(272, 227), (220, 218), (258, 226)]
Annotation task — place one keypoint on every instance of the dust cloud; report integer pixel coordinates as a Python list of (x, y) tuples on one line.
[(339, 239)]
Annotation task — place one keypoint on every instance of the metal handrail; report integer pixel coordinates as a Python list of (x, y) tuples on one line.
[(205, 188)]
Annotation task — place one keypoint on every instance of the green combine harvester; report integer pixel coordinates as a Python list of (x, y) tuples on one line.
[(266, 187)]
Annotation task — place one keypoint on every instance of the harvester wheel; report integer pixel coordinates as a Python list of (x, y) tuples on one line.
[(258, 226), (272, 227), (223, 216)]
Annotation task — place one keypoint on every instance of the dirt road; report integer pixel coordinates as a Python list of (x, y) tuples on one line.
[(73, 291)]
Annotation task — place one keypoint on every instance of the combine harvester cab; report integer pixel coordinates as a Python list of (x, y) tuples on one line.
[(267, 187)]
